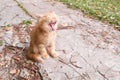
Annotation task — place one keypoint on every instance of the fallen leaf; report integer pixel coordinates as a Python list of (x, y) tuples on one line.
[(17, 58), (29, 62), (3, 63), (18, 71), (13, 71), (8, 28)]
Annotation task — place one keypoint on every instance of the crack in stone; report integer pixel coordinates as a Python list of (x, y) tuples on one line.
[(85, 75), (23, 8), (60, 60), (39, 72), (72, 63), (103, 75), (80, 75), (15, 16), (67, 76)]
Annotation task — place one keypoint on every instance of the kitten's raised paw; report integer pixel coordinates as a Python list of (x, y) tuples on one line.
[(54, 55)]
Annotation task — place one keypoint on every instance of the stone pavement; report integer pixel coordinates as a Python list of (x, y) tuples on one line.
[(89, 49), (10, 13)]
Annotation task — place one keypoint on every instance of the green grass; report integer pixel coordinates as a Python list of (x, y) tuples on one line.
[(105, 10), (1, 42), (27, 22), (7, 25)]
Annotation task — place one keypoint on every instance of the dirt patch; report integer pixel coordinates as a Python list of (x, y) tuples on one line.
[(14, 65)]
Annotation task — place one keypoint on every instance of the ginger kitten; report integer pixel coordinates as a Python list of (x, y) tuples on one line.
[(42, 38)]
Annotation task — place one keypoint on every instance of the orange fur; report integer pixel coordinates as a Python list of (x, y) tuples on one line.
[(42, 38)]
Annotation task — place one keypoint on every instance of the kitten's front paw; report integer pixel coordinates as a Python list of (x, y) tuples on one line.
[(39, 59), (54, 55), (45, 56)]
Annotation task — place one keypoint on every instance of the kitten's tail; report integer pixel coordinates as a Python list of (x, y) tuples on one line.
[(34, 57)]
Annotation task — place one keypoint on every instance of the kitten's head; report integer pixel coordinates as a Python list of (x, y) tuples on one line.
[(49, 21)]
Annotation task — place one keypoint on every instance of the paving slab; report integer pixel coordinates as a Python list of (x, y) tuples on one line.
[(11, 13), (88, 49), (80, 61)]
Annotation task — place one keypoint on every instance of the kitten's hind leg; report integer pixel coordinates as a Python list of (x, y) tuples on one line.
[(33, 54), (34, 57)]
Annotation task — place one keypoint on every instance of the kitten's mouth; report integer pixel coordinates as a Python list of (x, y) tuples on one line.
[(52, 25)]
